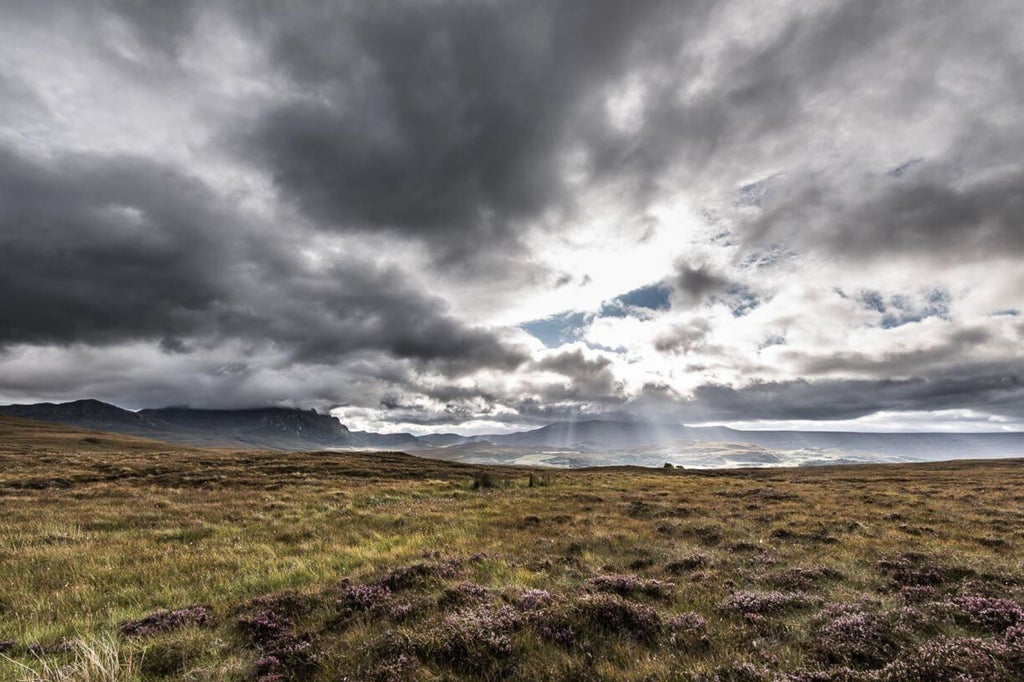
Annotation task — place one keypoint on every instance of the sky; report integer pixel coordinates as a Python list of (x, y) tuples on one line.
[(479, 216)]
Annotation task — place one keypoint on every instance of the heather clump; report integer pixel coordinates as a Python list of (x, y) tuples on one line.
[(394, 649), (819, 537), (532, 599), (401, 611), (753, 604), (360, 598), (912, 569), (401, 668), (740, 672), (687, 563), (948, 659), (687, 622), (478, 638), (916, 619), (419, 574), (831, 675), (167, 621), (268, 669), (462, 594), (264, 627), (289, 602), (573, 623), (861, 640), (917, 594), (285, 652), (985, 613), (296, 654), (708, 535), (609, 614), (639, 509), (630, 585), (689, 630), (804, 579)]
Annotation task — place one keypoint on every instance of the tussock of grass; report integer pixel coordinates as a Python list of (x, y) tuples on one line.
[(322, 566)]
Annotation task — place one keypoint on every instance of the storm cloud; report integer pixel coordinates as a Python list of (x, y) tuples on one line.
[(425, 215), (100, 250)]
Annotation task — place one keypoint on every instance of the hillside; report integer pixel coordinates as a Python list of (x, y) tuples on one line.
[(581, 443), (130, 559), (271, 428)]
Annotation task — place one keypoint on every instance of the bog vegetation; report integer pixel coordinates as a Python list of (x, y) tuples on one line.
[(131, 560)]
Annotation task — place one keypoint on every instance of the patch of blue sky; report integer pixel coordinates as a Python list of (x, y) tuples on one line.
[(651, 297), (568, 326), (766, 257), (741, 300), (900, 309), (772, 340), (558, 329), (873, 300)]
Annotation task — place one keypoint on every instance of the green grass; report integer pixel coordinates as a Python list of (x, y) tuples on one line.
[(95, 531)]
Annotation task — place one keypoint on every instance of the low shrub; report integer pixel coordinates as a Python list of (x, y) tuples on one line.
[(462, 594), (747, 603), (419, 574), (360, 598), (630, 585), (684, 564), (861, 640), (689, 630), (478, 639), (167, 621), (948, 660), (986, 614)]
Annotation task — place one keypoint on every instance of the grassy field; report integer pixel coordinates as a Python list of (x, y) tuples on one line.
[(123, 559)]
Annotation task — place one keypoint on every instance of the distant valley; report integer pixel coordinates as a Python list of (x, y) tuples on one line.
[(564, 444)]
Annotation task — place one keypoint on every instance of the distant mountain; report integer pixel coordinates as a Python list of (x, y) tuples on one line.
[(593, 441), (85, 413), (274, 427), (595, 433), (271, 427), (445, 439), (383, 441)]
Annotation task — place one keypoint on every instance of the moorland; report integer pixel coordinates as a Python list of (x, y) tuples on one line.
[(128, 559)]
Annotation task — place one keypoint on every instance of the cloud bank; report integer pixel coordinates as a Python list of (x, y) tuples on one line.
[(463, 215)]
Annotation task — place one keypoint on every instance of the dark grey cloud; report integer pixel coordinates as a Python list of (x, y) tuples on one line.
[(695, 283), (159, 26), (589, 377), (996, 389), (21, 103), (917, 362), (447, 122), (684, 338), (935, 212), (97, 249), (101, 250), (957, 194)]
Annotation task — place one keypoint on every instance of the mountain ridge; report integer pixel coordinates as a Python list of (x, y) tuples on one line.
[(277, 428), (282, 428)]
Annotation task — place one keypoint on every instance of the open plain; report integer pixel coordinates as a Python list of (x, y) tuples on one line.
[(125, 559)]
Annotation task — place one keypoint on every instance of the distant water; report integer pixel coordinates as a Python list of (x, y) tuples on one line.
[(686, 455)]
